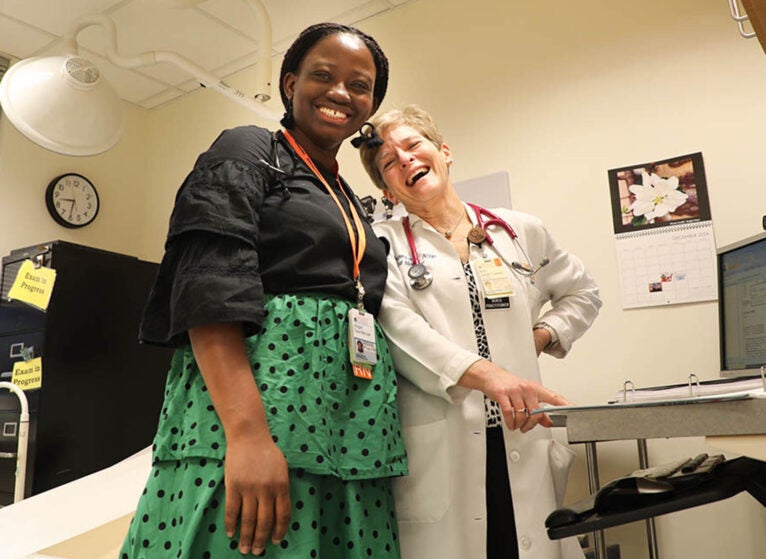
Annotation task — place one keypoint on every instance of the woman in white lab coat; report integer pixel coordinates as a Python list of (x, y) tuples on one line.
[(465, 324)]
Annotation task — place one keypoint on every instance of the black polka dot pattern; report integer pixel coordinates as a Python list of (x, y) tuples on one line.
[(330, 517), (339, 432), (314, 405)]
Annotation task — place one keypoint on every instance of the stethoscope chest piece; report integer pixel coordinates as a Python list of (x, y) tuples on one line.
[(420, 277), (477, 235)]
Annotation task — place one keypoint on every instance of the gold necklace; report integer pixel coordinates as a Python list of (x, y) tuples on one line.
[(448, 233)]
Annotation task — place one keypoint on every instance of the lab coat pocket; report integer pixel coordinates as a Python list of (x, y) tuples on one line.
[(561, 458), (424, 495)]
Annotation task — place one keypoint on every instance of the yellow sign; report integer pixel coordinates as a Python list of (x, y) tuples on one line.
[(28, 375), (33, 286)]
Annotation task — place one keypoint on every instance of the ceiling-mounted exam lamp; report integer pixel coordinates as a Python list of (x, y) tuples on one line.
[(64, 104)]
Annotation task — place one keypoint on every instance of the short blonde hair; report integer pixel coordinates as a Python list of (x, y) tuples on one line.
[(411, 115)]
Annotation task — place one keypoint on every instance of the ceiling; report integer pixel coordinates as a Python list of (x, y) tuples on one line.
[(217, 35)]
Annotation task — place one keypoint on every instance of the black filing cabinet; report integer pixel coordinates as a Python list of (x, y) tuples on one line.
[(101, 390)]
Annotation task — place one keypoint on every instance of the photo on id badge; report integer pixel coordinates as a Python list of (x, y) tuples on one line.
[(362, 352)]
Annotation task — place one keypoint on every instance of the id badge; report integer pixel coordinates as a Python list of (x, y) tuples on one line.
[(494, 278), (362, 348)]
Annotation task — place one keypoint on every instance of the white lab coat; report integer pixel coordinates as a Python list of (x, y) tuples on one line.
[(441, 504)]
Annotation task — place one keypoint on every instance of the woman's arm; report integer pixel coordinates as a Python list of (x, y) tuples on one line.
[(257, 488), (516, 396), (427, 358), (564, 282), (441, 367)]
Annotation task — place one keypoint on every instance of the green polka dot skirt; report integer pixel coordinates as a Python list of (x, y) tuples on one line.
[(330, 518), (340, 435)]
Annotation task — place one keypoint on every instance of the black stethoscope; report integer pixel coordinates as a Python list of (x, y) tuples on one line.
[(276, 173), (420, 277)]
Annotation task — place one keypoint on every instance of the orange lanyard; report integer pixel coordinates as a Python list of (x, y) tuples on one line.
[(358, 244)]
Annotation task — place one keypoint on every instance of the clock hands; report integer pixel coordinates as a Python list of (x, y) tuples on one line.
[(71, 206)]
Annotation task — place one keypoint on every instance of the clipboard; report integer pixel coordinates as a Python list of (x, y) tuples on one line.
[(563, 410), (693, 387), (696, 395)]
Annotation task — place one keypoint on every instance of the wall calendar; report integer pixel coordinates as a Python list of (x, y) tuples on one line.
[(663, 232)]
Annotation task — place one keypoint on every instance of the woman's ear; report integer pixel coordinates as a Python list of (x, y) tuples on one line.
[(391, 198), (447, 154), (289, 85)]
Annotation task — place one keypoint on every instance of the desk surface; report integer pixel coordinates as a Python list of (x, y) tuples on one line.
[(692, 419)]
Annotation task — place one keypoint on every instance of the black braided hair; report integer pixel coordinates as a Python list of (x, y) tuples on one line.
[(311, 36)]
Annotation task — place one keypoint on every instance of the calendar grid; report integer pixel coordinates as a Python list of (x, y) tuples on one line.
[(664, 233), (667, 266)]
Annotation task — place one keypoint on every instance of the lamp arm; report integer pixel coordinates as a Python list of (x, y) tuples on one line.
[(207, 79)]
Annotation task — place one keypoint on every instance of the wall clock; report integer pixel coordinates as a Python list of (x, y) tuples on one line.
[(72, 200)]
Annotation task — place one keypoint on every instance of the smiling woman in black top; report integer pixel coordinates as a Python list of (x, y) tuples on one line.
[(270, 438)]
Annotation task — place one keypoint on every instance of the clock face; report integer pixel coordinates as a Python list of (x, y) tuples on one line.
[(72, 200)]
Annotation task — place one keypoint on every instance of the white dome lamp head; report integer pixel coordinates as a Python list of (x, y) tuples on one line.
[(63, 104)]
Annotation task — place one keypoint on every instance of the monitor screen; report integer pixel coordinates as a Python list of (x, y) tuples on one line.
[(742, 306)]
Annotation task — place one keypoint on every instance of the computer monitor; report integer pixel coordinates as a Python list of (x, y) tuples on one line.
[(742, 306)]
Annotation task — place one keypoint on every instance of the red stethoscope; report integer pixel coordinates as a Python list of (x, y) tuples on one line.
[(420, 277)]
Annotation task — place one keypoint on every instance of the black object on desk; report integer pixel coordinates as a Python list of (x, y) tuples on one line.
[(632, 498)]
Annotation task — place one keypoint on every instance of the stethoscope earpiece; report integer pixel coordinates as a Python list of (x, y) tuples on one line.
[(527, 270), (523, 268)]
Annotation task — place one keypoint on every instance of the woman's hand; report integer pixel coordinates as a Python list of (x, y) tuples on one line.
[(257, 488), (257, 492), (516, 396)]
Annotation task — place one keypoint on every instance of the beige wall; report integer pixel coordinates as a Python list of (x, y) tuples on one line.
[(119, 176), (555, 93)]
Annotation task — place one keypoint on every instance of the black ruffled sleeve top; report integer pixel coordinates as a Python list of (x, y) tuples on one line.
[(234, 236)]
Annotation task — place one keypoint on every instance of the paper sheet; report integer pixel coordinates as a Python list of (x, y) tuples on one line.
[(43, 520)]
